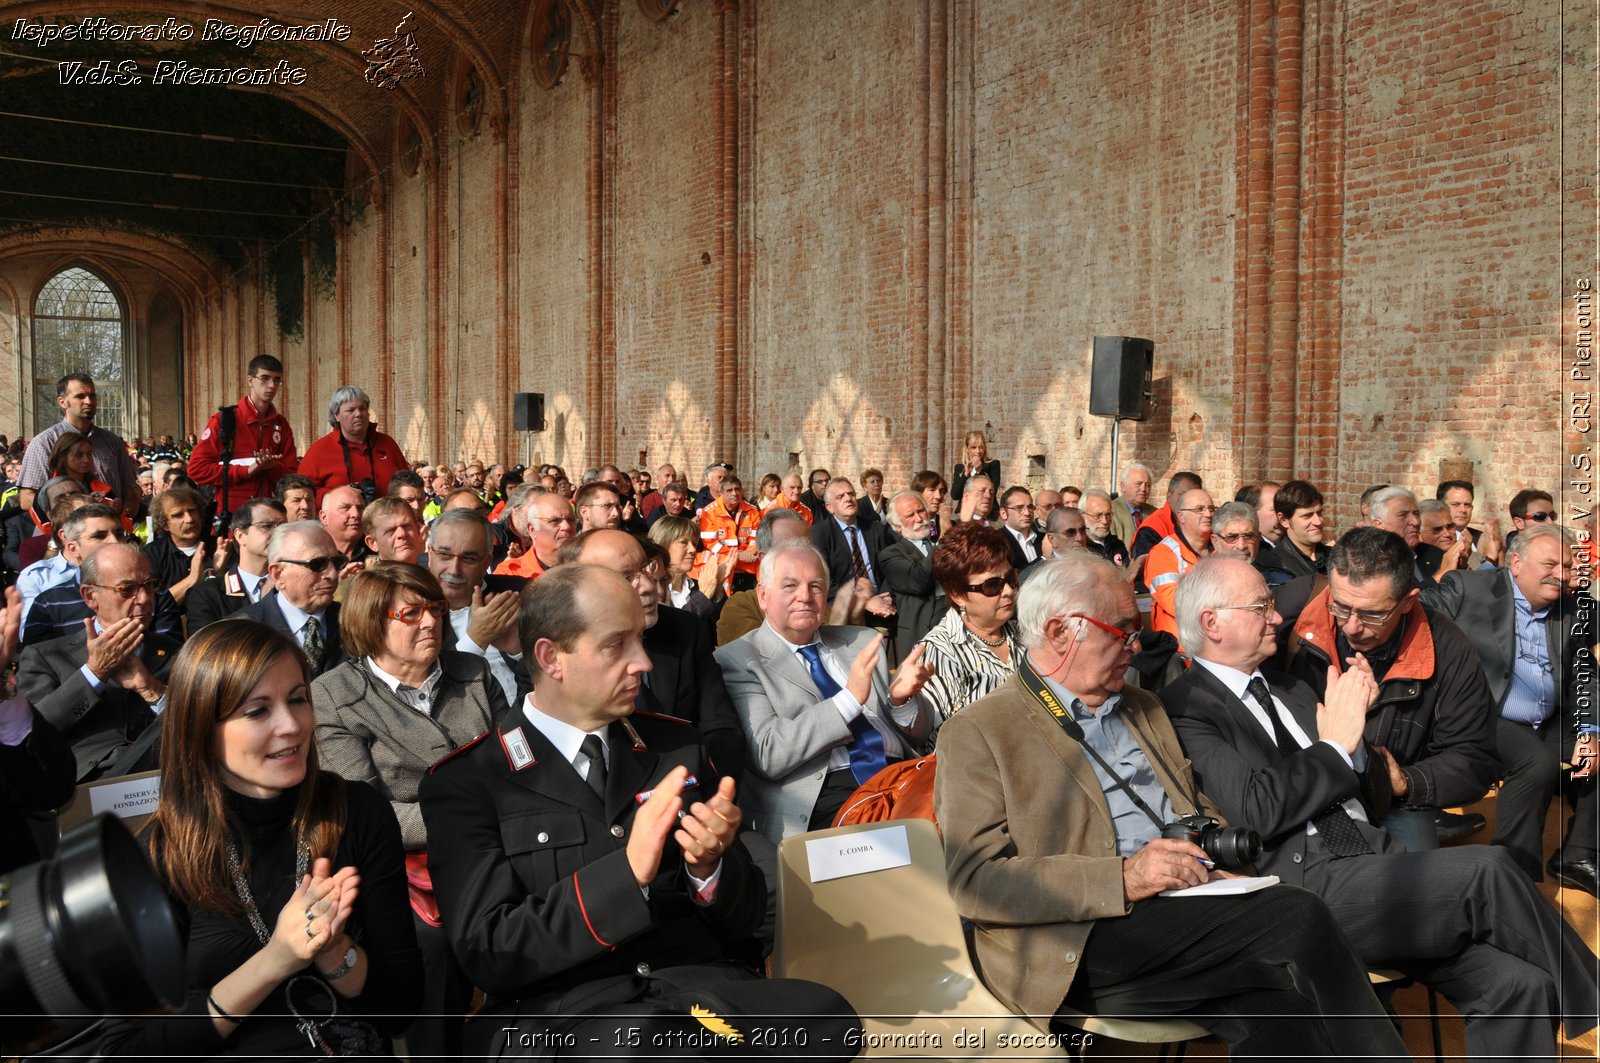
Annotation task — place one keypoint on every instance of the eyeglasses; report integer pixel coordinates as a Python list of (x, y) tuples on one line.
[(1236, 539), (1198, 509), (317, 565), (815, 480), (412, 614), (1541, 517), (447, 557), (265, 525), (128, 589), (557, 520), (1097, 517), (1261, 608), (1021, 506), (1129, 639), (1072, 533), (991, 587), (1368, 617)]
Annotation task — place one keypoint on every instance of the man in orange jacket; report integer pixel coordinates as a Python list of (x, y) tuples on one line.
[(728, 526)]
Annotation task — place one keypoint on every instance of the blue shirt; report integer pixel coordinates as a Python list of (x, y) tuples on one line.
[(1530, 696), (1108, 734), (41, 576)]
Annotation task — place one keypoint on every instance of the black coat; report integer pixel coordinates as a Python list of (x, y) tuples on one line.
[(835, 548), (686, 682), (268, 612)]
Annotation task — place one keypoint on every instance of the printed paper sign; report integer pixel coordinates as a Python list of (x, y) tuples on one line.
[(126, 798), (856, 854)]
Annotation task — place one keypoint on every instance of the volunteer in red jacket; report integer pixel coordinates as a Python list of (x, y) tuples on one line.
[(355, 452), (262, 449)]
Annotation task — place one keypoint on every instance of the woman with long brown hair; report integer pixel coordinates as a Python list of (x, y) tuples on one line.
[(284, 953)]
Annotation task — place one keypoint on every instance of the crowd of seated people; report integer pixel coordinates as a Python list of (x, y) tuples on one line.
[(425, 731)]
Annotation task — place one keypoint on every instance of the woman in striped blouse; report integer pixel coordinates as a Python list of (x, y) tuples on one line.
[(975, 646)]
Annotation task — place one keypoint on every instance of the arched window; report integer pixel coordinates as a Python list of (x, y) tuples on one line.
[(78, 328)]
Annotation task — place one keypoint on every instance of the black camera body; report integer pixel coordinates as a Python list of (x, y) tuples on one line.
[(369, 491), (1228, 847)]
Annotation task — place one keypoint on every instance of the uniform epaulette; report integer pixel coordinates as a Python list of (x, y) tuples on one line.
[(456, 752)]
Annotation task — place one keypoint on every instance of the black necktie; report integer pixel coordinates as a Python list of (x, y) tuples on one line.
[(1339, 832), (595, 750), (858, 564)]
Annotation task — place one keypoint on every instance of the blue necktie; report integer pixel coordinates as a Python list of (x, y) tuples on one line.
[(866, 752)]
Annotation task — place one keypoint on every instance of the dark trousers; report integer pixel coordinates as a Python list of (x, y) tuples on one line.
[(649, 1018), (1269, 972), (1531, 775), (1469, 923), (446, 993)]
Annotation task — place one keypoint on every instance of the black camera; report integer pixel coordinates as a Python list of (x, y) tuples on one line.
[(1228, 847), (368, 489), (89, 933)]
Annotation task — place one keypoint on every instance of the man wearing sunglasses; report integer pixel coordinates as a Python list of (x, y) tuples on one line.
[(1060, 868), (305, 568), (1300, 771), (1433, 719), (102, 685), (1530, 507)]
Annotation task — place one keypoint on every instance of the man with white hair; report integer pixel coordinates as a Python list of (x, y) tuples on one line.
[(460, 544), (907, 566), (1131, 508), (821, 714), (1099, 514), (1302, 774), (1052, 794)]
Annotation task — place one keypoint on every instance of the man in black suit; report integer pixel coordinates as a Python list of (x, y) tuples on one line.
[(102, 685), (1536, 641), (851, 549), (1016, 516), (575, 896), (907, 564), (684, 681), (813, 499), (224, 593), (1098, 515), (1272, 758), (1299, 552), (305, 567)]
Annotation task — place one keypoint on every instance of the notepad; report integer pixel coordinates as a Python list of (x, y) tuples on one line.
[(1225, 887)]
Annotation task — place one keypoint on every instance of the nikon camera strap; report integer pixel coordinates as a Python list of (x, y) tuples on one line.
[(1052, 704)]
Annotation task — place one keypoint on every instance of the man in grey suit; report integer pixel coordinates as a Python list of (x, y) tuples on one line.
[(102, 685), (1536, 640), (817, 706), (1463, 920), (907, 567)]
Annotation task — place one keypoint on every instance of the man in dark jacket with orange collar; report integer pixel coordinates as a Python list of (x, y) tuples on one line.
[(1433, 720)]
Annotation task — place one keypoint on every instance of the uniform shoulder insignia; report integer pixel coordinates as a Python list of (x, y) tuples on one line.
[(456, 752)]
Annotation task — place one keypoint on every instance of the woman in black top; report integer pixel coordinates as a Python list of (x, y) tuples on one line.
[(978, 463), (285, 954)]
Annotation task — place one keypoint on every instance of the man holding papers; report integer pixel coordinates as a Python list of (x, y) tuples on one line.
[(1463, 920), (1053, 794)]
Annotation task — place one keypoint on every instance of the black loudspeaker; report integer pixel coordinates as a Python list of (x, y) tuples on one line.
[(528, 411), (1119, 385)]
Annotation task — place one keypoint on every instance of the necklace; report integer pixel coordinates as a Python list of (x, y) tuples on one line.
[(986, 642)]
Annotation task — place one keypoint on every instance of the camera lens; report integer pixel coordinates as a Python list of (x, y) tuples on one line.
[(89, 933), (1231, 847)]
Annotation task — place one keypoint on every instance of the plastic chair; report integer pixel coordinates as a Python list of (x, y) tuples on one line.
[(891, 942)]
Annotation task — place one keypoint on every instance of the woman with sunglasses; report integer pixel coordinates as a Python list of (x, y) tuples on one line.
[(286, 956), (403, 699), (974, 648)]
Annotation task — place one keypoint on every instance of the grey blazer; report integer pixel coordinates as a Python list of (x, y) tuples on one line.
[(1483, 606), (99, 725), (792, 730), (365, 732)]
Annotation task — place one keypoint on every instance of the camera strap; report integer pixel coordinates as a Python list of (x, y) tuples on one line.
[(344, 445), (1034, 685)]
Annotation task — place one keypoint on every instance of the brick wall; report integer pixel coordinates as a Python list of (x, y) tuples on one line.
[(852, 231)]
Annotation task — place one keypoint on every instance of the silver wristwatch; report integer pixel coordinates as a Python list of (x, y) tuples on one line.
[(343, 969)]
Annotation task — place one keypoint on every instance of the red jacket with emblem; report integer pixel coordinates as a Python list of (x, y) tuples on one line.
[(379, 458), (252, 432)]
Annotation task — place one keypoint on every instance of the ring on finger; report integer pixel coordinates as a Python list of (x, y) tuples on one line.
[(309, 933)]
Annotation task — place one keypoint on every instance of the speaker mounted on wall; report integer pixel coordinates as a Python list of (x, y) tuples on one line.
[(1120, 379), (528, 411)]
